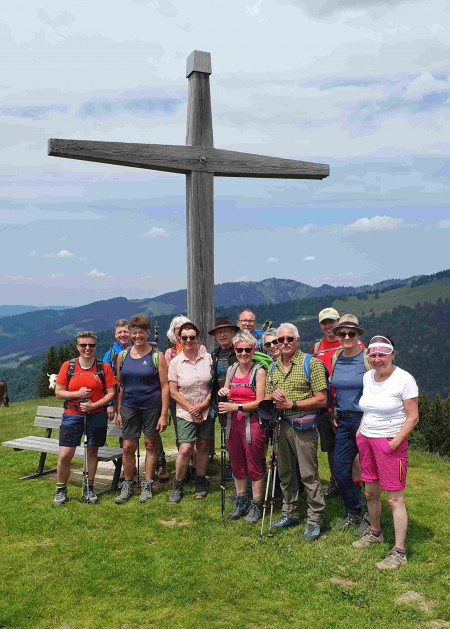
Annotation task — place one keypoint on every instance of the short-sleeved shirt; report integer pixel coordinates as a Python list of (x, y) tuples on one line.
[(382, 403), (347, 379), (193, 380), (294, 382), (85, 378)]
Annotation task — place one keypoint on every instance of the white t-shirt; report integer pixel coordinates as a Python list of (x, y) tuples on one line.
[(382, 403)]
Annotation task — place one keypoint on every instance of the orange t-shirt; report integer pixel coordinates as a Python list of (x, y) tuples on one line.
[(85, 378)]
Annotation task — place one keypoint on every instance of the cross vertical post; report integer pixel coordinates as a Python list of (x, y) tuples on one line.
[(200, 199)]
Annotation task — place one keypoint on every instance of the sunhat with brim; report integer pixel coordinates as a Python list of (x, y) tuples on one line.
[(348, 321), (267, 413), (380, 345), (223, 322)]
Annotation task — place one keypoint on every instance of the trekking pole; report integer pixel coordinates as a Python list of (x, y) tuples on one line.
[(85, 486), (138, 463), (223, 450), (269, 473), (276, 437)]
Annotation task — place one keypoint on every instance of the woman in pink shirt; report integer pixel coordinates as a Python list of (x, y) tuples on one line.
[(246, 438), (190, 387)]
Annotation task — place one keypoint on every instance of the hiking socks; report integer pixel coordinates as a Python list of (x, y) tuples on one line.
[(61, 485), (375, 533), (400, 551)]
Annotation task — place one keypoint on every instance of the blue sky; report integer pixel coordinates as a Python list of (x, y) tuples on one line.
[(361, 85)]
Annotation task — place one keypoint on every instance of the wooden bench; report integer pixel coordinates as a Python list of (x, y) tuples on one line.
[(49, 417)]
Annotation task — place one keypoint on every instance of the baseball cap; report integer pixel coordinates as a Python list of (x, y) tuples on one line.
[(328, 313)]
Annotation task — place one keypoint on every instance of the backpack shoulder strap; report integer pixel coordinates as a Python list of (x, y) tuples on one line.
[(307, 368), (233, 370), (335, 358), (70, 369), (367, 364), (316, 347), (155, 358), (101, 373), (254, 372), (124, 355), (272, 369)]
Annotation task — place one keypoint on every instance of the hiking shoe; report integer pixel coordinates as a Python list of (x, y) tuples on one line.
[(163, 474), (89, 496), (392, 560), (331, 491), (146, 491), (285, 521), (364, 527), (349, 520), (200, 487), (177, 492), (311, 533), (255, 512), (368, 539), (126, 491), (60, 496), (240, 508)]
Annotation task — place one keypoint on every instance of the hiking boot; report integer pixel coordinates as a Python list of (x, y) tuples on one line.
[(60, 496), (285, 521), (331, 491), (163, 474), (364, 527), (349, 520), (368, 539), (89, 496), (255, 512), (240, 508), (177, 492), (311, 533), (146, 491), (200, 487), (126, 491), (392, 560)]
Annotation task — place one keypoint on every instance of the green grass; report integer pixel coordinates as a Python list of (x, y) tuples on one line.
[(403, 296), (110, 566)]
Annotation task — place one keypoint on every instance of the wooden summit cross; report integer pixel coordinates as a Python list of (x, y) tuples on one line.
[(200, 162)]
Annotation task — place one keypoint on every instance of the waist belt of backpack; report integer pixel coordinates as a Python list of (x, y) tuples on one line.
[(248, 434), (349, 413), (304, 416)]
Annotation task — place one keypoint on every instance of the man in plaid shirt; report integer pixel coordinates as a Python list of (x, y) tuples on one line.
[(299, 400)]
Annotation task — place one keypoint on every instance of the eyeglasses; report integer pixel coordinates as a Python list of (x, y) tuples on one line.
[(247, 320), (269, 343), (84, 345), (247, 350), (286, 339), (351, 335), (192, 337)]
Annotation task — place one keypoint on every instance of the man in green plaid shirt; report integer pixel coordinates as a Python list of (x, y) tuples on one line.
[(288, 387)]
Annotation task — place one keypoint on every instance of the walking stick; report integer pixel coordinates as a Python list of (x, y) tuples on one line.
[(276, 441), (269, 473), (138, 463), (85, 486), (223, 450)]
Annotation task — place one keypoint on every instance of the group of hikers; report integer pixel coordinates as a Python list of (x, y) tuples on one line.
[(354, 400)]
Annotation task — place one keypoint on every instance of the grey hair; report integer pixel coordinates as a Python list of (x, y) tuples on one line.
[(244, 337), (122, 323), (270, 332), (176, 321), (290, 326)]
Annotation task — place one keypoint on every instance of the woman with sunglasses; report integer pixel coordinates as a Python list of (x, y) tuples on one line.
[(390, 406), (270, 342), (190, 386), (246, 438), (348, 368), (85, 391), (142, 405)]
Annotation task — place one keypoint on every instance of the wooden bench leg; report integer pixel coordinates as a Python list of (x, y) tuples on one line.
[(40, 469)]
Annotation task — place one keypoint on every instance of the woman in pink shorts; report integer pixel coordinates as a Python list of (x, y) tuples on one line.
[(389, 404), (246, 438)]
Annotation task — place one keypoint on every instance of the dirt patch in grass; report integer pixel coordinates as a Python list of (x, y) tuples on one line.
[(345, 583), (415, 599), (173, 523)]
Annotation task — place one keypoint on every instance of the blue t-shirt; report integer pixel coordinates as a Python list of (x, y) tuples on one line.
[(140, 379), (347, 380)]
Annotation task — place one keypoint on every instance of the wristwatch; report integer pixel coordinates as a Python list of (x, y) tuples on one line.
[(294, 406), (240, 408)]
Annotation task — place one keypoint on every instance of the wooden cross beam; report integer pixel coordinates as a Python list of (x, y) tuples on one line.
[(200, 162)]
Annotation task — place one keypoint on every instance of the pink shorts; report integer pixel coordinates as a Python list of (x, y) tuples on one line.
[(246, 458), (380, 463)]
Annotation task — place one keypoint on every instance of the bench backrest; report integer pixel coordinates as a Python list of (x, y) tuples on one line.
[(50, 417)]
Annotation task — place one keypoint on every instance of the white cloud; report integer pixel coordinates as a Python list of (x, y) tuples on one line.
[(155, 232), (146, 277), (55, 276), (64, 253), (17, 278), (97, 273), (376, 223), (308, 258), (272, 260), (444, 224), (306, 228), (253, 10)]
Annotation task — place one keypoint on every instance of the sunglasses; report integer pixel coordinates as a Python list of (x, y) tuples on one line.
[(247, 350), (269, 343), (84, 345), (192, 337), (351, 335), (286, 339)]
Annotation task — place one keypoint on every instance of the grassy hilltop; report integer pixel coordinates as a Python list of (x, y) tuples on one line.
[(159, 565)]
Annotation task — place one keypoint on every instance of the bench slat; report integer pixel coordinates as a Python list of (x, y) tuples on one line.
[(51, 446), (50, 411), (54, 423)]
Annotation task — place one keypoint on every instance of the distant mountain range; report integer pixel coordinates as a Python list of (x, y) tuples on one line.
[(9, 311)]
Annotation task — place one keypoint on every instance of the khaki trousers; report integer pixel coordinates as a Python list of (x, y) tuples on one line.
[(300, 446)]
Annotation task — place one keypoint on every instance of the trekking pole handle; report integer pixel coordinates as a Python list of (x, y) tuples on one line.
[(223, 416)]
